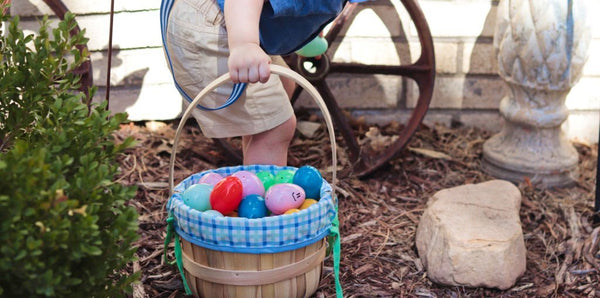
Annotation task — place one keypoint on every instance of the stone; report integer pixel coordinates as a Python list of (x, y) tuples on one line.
[(471, 236), (307, 128)]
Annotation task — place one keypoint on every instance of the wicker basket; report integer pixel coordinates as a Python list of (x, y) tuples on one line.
[(213, 273), (224, 257)]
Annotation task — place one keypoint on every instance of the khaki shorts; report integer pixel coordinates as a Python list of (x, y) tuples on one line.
[(197, 45)]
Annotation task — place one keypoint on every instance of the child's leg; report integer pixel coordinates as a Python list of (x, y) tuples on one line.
[(271, 146)]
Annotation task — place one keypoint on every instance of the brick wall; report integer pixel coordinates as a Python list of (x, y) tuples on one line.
[(467, 88)]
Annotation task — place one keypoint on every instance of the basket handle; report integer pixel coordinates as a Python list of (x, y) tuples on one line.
[(275, 69)]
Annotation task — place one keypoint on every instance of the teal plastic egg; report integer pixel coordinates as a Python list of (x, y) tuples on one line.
[(213, 213), (197, 196)]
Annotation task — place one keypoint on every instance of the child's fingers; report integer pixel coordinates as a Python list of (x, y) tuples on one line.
[(264, 71), (253, 76), (233, 75), (243, 75)]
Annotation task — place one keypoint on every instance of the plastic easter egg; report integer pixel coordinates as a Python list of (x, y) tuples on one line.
[(307, 203), (284, 196), (213, 213), (291, 211), (284, 176), (266, 178), (310, 179), (211, 178), (251, 184), (226, 195), (253, 206), (316, 47), (197, 196)]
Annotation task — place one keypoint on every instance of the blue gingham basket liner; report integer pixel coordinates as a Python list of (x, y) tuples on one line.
[(262, 235)]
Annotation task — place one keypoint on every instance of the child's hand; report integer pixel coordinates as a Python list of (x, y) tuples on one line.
[(248, 63)]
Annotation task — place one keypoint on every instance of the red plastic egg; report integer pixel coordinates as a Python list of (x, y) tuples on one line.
[(226, 195)]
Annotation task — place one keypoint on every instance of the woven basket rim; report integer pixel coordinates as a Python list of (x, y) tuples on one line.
[(219, 232)]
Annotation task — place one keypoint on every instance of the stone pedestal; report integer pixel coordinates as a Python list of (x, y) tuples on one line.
[(541, 46)]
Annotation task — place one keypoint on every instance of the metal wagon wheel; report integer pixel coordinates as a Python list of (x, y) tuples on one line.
[(422, 72)]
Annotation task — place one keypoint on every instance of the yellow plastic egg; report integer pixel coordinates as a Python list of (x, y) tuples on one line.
[(293, 210), (307, 203)]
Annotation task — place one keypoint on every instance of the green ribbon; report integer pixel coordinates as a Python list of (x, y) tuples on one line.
[(178, 253), (336, 246)]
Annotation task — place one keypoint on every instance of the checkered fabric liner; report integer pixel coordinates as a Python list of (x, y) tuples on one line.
[(261, 235)]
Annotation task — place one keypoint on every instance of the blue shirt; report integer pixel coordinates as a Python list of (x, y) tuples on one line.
[(287, 25)]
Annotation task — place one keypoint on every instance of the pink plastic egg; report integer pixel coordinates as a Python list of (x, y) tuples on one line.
[(251, 184), (210, 178), (284, 196)]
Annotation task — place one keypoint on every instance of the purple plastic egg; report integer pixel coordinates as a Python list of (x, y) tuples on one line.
[(210, 178), (284, 196), (251, 184)]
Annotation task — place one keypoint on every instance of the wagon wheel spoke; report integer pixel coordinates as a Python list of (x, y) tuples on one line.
[(412, 70)]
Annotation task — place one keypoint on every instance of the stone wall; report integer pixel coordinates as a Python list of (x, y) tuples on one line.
[(467, 88)]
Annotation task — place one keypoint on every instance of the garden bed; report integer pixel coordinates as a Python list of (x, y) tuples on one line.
[(379, 214)]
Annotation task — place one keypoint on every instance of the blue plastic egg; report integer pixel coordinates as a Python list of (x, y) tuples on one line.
[(197, 196), (310, 179), (252, 206)]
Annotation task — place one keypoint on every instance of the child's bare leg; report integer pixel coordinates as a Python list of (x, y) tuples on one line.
[(271, 146)]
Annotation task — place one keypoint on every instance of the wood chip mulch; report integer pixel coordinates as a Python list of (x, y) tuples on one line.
[(379, 214)]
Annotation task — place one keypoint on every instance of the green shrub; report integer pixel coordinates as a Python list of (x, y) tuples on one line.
[(65, 228)]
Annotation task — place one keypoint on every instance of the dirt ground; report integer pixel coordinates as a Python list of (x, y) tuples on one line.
[(379, 214)]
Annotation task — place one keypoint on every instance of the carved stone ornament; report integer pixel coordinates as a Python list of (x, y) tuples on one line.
[(541, 46)]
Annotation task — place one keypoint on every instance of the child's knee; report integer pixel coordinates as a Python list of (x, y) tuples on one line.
[(289, 126), (288, 129), (283, 133)]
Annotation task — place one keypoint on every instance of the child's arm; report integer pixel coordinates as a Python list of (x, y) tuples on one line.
[(247, 61)]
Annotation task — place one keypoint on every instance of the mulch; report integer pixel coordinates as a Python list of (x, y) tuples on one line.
[(379, 214)]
